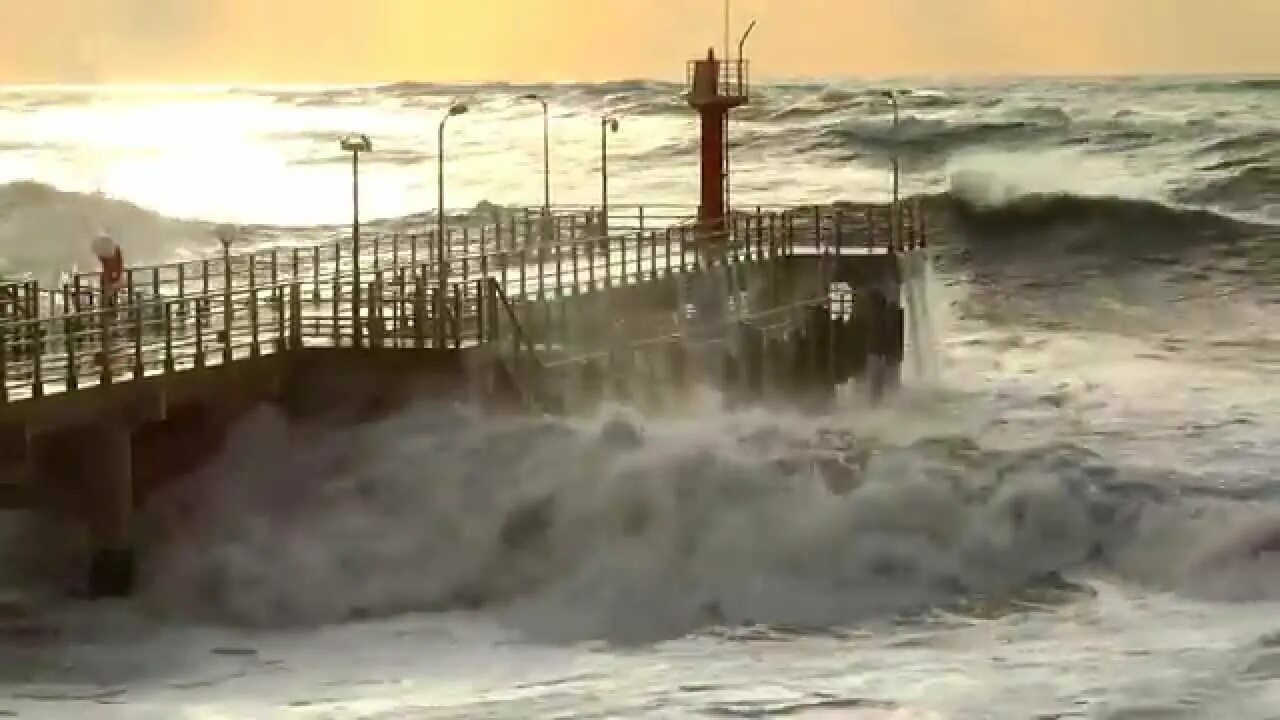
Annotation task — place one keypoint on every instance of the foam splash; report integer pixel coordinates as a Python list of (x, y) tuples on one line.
[(613, 527), (993, 178)]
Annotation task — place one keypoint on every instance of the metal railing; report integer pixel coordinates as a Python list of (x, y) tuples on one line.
[(212, 311), (733, 78)]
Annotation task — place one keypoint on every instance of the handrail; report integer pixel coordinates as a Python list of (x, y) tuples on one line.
[(274, 306), (527, 386), (666, 338), (521, 338)]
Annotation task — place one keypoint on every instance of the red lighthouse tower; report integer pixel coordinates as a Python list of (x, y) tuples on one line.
[(715, 88)]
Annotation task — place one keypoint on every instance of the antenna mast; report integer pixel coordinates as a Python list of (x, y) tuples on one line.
[(727, 3)]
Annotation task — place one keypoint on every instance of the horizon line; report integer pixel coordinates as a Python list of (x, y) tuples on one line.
[(762, 81)]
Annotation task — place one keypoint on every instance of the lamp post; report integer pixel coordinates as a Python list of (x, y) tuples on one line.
[(608, 124), (546, 152), (355, 144), (226, 235), (456, 108), (893, 230)]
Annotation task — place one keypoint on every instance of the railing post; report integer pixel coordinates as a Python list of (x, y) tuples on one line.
[(591, 264), (839, 221), (168, 338), (295, 315), (199, 340), (608, 262), (481, 310), (37, 365), (226, 315), (278, 294), (437, 316), (204, 278), (254, 350), (138, 370), (496, 300), (419, 308), (503, 256), (524, 267), (4, 364), (639, 254), (558, 249), (315, 275), (573, 258), (337, 323), (375, 311), (73, 375), (466, 254), (457, 315), (653, 255), (397, 308), (759, 234), (542, 271)]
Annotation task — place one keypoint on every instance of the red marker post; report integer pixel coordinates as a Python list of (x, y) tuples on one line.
[(112, 260)]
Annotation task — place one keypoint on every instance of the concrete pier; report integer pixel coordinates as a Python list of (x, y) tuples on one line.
[(109, 394), (110, 515)]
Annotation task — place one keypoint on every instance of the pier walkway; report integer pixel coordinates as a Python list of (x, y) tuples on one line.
[(499, 274)]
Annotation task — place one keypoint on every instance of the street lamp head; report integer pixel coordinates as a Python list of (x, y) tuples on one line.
[(536, 98), (613, 124), (458, 108), (357, 143), (227, 234)]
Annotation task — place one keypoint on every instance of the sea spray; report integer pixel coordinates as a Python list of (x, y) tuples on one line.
[(569, 528)]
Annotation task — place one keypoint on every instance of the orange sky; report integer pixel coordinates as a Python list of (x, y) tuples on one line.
[(303, 41)]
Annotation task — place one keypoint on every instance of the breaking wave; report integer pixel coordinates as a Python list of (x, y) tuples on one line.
[(633, 530), (44, 231)]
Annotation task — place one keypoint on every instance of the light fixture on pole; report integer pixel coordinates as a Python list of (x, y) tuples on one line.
[(608, 124), (546, 151), (456, 108), (355, 144)]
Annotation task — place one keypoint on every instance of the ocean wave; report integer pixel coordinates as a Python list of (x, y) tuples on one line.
[(1125, 221), (929, 137), (1248, 186), (1249, 142), (64, 222), (624, 528)]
